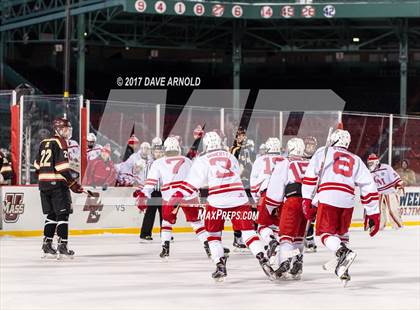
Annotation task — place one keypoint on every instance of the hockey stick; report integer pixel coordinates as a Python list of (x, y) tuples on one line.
[(90, 193)]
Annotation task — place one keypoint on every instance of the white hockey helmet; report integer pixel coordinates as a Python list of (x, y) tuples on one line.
[(171, 144), (156, 141), (340, 138), (212, 141), (91, 137), (145, 149), (273, 145), (373, 162), (295, 147)]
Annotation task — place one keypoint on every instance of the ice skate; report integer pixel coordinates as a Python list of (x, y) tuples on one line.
[(345, 278), (226, 251), (63, 252), (221, 272), (281, 272), (48, 250), (297, 267), (146, 239), (345, 259), (271, 249), (310, 246), (238, 244), (265, 265), (165, 251)]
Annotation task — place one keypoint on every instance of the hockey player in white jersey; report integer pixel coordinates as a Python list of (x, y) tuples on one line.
[(136, 167), (170, 171), (389, 186), (285, 188), (74, 155), (262, 168), (93, 149), (227, 198), (334, 173), (311, 144)]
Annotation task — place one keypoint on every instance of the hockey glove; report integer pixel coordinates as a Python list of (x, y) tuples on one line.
[(76, 187), (308, 210), (373, 221), (140, 200), (176, 199)]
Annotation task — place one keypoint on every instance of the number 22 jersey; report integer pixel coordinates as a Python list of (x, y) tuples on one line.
[(220, 171), (343, 171)]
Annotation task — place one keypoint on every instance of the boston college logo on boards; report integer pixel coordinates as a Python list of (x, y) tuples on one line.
[(13, 206), (94, 205)]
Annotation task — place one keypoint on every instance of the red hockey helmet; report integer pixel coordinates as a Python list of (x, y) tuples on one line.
[(372, 161), (62, 127)]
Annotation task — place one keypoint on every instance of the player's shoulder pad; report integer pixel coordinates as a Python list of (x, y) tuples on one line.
[(62, 144), (385, 166)]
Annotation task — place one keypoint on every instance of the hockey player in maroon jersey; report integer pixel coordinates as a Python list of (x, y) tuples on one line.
[(334, 173), (54, 179), (227, 198)]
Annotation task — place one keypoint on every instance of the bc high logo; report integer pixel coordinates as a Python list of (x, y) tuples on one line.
[(13, 207), (94, 206)]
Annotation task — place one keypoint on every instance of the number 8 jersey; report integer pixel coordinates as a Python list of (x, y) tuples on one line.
[(220, 171), (343, 171)]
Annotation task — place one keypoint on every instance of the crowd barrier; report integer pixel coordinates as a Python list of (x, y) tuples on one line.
[(114, 211)]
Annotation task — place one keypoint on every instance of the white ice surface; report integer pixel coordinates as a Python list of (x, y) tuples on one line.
[(117, 272)]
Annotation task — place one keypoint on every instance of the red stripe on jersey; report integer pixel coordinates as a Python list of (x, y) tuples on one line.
[(389, 185), (335, 188), (225, 185), (365, 202), (171, 185), (187, 187), (337, 184), (233, 189), (310, 179), (369, 195), (272, 202)]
